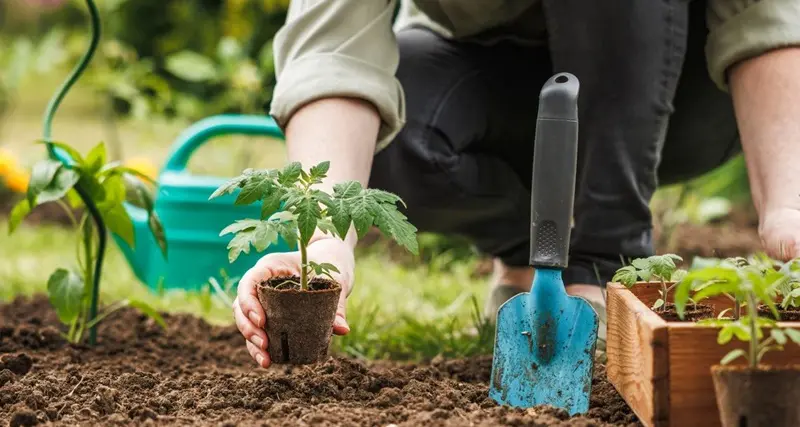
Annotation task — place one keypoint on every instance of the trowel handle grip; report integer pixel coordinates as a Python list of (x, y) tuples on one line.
[(211, 127), (554, 168)]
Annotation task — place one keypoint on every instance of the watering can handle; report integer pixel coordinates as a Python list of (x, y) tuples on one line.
[(554, 167), (214, 126)]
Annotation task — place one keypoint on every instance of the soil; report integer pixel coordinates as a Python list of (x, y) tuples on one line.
[(299, 323), (197, 374), (790, 314), (693, 313)]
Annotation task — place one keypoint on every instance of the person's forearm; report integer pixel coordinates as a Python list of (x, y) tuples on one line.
[(766, 95), (341, 130)]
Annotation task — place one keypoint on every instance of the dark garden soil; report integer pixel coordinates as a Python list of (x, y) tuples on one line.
[(197, 374), (692, 313), (790, 314)]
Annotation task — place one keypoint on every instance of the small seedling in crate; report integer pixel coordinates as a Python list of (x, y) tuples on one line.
[(301, 310), (71, 290), (743, 392), (656, 268)]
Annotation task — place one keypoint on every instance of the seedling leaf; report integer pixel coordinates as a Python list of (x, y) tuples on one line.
[(18, 213), (778, 336), (793, 335), (65, 291), (732, 355), (626, 275)]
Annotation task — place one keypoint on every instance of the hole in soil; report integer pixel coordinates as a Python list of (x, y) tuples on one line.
[(561, 79), (743, 421), (285, 347)]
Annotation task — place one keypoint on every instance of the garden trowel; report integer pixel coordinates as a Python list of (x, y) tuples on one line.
[(545, 340)]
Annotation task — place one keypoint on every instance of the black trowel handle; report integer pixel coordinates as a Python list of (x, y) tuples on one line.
[(554, 167)]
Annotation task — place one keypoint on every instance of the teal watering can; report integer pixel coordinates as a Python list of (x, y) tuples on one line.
[(192, 222)]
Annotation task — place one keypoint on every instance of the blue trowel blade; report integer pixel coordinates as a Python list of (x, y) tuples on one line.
[(549, 366)]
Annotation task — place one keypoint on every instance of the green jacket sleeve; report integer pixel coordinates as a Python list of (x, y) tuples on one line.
[(743, 29), (339, 48)]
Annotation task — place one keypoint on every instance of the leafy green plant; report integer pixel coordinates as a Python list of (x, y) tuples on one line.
[(656, 268), (293, 210), (109, 185), (751, 283)]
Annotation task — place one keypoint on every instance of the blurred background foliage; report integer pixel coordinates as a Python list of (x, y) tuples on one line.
[(182, 60)]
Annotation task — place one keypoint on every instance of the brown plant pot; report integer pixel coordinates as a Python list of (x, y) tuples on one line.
[(763, 397), (299, 323)]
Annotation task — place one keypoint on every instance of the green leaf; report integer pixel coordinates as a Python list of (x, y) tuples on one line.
[(778, 336), (391, 221), (626, 275), (339, 206), (42, 175), (272, 202), (64, 180), (290, 174), (240, 225), (663, 265), (641, 263), (114, 191), (733, 355), (118, 221), (318, 172), (658, 304), (230, 186), (793, 335), (148, 311), (308, 213), (115, 168), (256, 187), (18, 213), (678, 275), (137, 194), (157, 230), (96, 158), (191, 66), (259, 234), (326, 226), (74, 199), (71, 152), (725, 335), (65, 291)]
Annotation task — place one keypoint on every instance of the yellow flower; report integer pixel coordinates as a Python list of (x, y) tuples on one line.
[(143, 166), (7, 161), (17, 179)]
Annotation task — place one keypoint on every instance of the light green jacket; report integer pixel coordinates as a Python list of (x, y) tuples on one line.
[(348, 48)]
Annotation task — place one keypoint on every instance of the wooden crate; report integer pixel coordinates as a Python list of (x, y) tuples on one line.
[(662, 369)]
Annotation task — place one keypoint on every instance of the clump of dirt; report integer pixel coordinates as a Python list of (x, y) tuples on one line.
[(197, 374), (693, 313)]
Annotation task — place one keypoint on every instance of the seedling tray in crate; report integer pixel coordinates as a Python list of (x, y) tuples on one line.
[(662, 369)]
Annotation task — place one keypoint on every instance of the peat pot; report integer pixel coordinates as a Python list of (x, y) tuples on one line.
[(299, 323), (763, 397)]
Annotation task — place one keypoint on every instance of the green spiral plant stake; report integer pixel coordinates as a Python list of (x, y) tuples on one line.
[(102, 188)]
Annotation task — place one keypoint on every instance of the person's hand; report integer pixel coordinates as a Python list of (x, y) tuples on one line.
[(247, 310), (779, 230)]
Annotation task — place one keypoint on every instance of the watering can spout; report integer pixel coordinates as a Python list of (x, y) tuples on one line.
[(138, 255)]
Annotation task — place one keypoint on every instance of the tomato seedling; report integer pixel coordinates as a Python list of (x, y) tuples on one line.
[(753, 284), (292, 209), (109, 185), (656, 268)]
